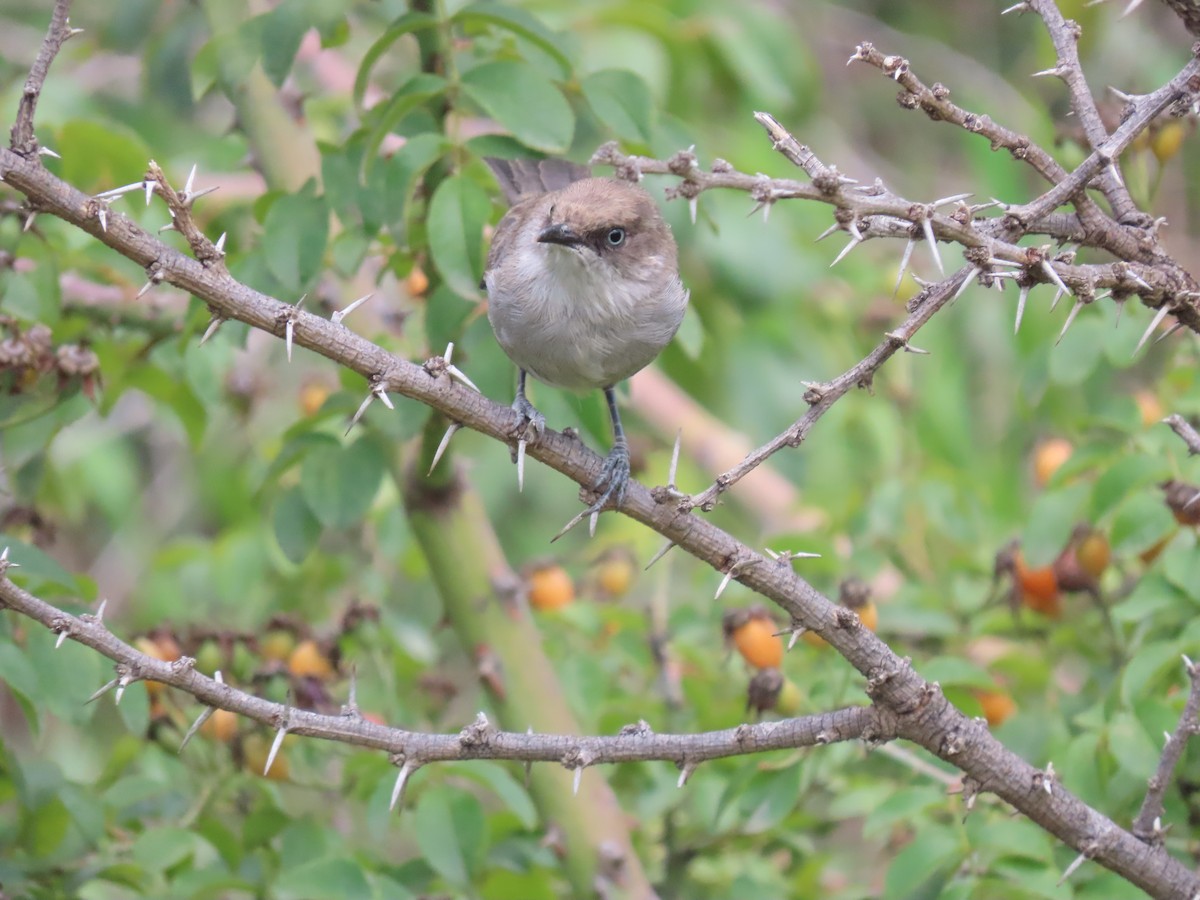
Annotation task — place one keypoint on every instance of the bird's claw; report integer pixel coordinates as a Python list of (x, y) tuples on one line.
[(533, 419), (611, 486)]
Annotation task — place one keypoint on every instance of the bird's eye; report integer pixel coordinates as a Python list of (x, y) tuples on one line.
[(616, 237)]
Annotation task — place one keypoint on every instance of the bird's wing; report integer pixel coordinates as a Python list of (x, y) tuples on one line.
[(520, 178)]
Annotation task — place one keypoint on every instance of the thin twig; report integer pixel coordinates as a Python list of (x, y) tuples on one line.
[(23, 140)]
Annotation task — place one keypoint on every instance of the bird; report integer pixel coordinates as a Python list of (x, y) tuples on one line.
[(583, 288)]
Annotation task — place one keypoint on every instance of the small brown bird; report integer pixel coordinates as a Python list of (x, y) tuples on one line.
[(583, 289)]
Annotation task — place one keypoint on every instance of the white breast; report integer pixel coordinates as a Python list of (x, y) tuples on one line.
[(566, 317)]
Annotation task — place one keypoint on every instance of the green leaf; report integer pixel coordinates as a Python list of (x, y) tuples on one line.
[(1122, 477), (1131, 746), (162, 847), (295, 232), (282, 30), (1054, 515), (524, 101), (402, 171), (323, 879), (457, 214), (339, 483), (519, 23), (46, 827), (925, 863), (1075, 358), (417, 90), (406, 24), (18, 675), (98, 156), (494, 776), (36, 568), (296, 528), (621, 101), (1139, 522), (450, 832)]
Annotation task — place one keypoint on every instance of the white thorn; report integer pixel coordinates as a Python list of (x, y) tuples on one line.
[(458, 375), (953, 198), (521, 466), (149, 186), (211, 329), (361, 409), (382, 394), (437, 455), (220, 244), (853, 229), (1133, 4), (114, 193), (1070, 318), (796, 632), (592, 520), (1189, 665), (1070, 870), (62, 636), (1154, 323), (102, 215), (1021, 307), (693, 206), (123, 683), (577, 780), (1053, 276), (854, 242), (187, 185), (674, 467), (100, 610), (204, 716), (835, 227), (340, 314), (46, 151), (398, 787), (724, 582), (971, 276), (927, 227), (904, 258), (288, 331), (1057, 70), (660, 554), (275, 745)]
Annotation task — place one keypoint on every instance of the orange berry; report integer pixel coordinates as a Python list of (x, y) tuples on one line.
[(1038, 587), (277, 645), (1093, 553), (1048, 457), (614, 573), (1149, 407), (312, 397), (220, 726), (997, 705), (1167, 139), (550, 587), (417, 282), (753, 633), (307, 660)]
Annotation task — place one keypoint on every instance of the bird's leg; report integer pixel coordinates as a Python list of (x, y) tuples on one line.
[(614, 477), (534, 420), (522, 405)]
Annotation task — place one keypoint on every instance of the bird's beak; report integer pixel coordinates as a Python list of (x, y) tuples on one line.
[(559, 234)]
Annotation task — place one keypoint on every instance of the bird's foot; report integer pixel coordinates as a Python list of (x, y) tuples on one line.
[(610, 486), (535, 423)]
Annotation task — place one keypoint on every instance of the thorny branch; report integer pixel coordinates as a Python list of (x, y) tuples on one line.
[(904, 704), (1148, 825), (1184, 429), (23, 140)]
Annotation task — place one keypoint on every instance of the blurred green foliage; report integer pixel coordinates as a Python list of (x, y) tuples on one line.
[(206, 490)]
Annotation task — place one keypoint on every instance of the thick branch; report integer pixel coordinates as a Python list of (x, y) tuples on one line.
[(636, 743), (1184, 429), (1148, 824), (23, 140)]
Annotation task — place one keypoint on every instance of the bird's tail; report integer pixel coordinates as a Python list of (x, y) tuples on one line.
[(521, 177)]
